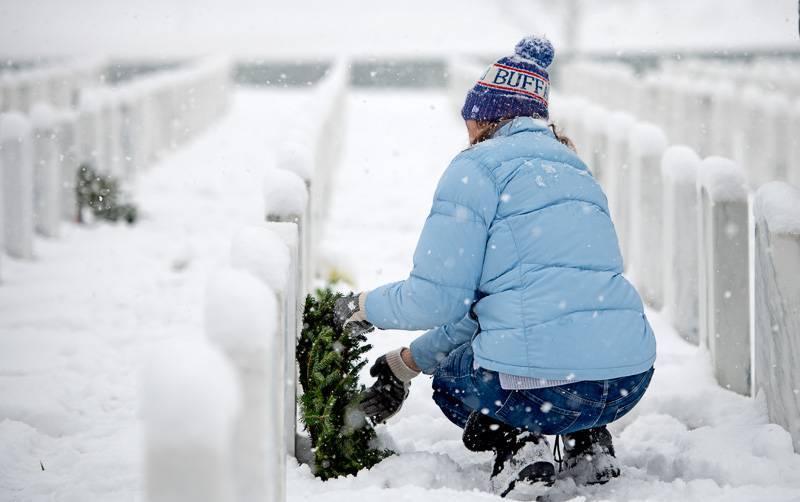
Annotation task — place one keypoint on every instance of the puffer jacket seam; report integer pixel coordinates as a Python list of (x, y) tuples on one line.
[(476, 217), (520, 293), (437, 283), (559, 202)]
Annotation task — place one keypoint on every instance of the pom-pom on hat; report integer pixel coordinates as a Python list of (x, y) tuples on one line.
[(514, 86)]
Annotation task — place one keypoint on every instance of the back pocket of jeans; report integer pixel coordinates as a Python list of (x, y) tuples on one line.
[(526, 410)]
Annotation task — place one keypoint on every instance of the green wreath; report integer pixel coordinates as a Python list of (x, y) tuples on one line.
[(330, 359)]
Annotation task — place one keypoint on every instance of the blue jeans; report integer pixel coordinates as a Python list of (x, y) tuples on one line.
[(459, 390)]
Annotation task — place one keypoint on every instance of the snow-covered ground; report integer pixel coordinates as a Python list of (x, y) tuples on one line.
[(77, 325)]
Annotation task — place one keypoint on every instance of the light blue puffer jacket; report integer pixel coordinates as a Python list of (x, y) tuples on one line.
[(519, 231)]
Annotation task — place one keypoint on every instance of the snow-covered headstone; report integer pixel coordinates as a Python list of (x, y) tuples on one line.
[(270, 252), (723, 110), (241, 317), (724, 258), (679, 166), (647, 143), (593, 138), (793, 145), (111, 134), (69, 161), (616, 178), (286, 199), (776, 211), (16, 159), (190, 400), (91, 129), (46, 171)]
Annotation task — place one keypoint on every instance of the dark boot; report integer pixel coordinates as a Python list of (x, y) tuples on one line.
[(482, 433), (523, 464), (589, 456), (524, 469)]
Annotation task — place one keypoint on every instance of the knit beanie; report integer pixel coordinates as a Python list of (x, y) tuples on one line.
[(514, 86)]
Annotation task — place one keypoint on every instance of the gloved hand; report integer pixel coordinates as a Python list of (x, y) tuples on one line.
[(385, 398), (348, 311)]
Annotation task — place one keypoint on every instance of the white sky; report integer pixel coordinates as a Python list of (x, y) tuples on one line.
[(410, 27)]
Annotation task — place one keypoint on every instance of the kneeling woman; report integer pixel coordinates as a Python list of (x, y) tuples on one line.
[(517, 275)]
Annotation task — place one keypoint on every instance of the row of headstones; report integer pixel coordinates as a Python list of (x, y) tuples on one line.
[(324, 131), (690, 231), (770, 74), (117, 130), (254, 316), (57, 83), (220, 412), (757, 127)]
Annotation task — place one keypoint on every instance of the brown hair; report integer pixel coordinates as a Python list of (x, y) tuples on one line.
[(557, 132)]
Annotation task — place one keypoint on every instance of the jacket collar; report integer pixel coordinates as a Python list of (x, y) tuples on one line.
[(523, 124)]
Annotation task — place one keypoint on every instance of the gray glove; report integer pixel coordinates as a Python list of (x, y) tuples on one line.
[(348, 312), (385, 398)]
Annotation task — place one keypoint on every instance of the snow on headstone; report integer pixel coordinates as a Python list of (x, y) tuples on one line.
[(46, 172), (16, 159), (647, 143), (264, 254), (724, 258), (776, 211), (679, 166), (285, 195), (296, 156), (286, 199), (190, 399), (241, 317)]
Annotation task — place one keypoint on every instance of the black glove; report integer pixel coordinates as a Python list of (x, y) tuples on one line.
[(347, 313), (386, 396)]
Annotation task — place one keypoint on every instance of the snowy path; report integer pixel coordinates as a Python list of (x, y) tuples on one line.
[(687, 440), (76, 326)]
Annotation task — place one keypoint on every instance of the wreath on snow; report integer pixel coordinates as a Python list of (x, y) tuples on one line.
[(330, 359)]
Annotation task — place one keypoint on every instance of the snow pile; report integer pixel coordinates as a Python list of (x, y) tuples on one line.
[(593, 118), (680, 163), (779, 204), (190, 396), (14, 126), (285, 194), (43, 116), (647, 139), (619, 125), (723, 178), (296, 156), (264, 254), (241, 315)]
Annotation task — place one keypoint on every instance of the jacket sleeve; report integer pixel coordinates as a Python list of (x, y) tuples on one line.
[(429, 349), (448, 260)]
